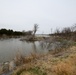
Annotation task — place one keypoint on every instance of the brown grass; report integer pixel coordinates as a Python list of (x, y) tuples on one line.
[(66, 66), (64, 69), (50, 64)]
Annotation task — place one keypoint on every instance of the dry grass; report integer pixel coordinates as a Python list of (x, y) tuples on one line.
[(50, 65), (67, 66), (63, 68)]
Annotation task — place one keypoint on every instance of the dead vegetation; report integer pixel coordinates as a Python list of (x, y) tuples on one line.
[(48, 64)]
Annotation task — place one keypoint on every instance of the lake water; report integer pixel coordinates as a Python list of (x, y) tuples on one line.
[(10, 47)]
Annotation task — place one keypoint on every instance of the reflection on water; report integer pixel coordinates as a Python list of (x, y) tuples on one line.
[(34, 47), (10, 47)]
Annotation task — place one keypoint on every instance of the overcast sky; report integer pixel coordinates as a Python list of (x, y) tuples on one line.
[(23, 14)]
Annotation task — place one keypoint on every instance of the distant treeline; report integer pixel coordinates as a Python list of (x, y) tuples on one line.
[(10, 32), (67, 32)]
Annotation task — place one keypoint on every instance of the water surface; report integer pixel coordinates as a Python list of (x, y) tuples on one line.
[(10, 47)]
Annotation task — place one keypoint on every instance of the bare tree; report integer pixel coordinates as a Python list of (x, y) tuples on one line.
[(57, 31), (35, 29), (73, 28), (66, 30)]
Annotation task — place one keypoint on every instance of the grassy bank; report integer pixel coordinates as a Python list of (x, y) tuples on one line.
[(59, 63)]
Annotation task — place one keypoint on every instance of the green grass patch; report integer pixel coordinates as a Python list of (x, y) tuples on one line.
[(31, 71), (37, 71), (74, 43)]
